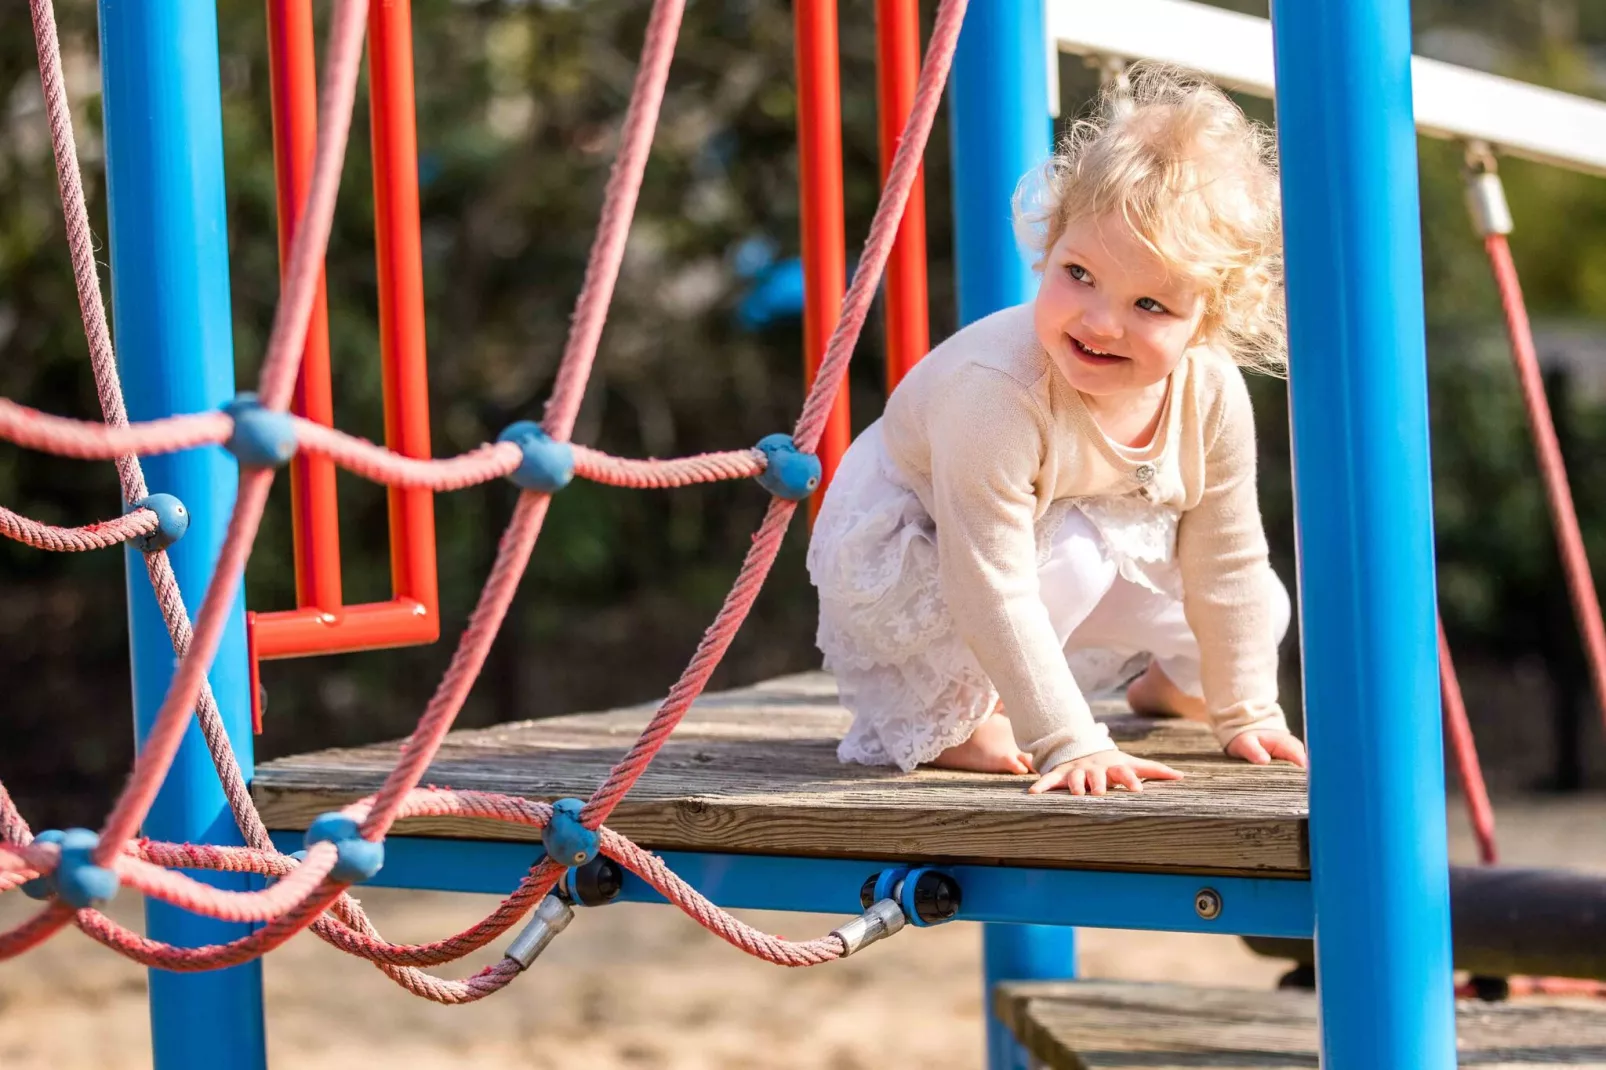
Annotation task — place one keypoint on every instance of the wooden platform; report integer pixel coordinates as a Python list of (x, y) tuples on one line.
[(1101, 1025), (755, 771)]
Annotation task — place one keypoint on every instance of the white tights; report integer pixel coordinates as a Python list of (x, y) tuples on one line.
[(1096, 609)]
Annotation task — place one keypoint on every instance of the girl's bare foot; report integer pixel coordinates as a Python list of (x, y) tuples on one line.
[(1154, 694), (991, 748)]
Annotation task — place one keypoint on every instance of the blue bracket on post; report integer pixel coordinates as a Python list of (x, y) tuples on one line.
[(1358, 395), (170, 294), (1001, 129)]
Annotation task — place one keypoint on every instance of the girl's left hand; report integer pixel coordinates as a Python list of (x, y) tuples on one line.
[(1259, 748)]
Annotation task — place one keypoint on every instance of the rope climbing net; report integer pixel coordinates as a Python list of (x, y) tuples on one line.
[(76, 871)]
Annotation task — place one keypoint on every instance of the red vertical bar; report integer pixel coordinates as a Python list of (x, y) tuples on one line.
[(897, 72), (401, 294), (314, 510), (819, 144)]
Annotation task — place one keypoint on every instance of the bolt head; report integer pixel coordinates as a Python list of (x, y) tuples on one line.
[(1207, 904)]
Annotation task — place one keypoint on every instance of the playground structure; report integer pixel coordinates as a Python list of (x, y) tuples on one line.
[(1223, 852)]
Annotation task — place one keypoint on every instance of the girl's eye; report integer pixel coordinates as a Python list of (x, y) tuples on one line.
[(1149, 304), (1078, 272)]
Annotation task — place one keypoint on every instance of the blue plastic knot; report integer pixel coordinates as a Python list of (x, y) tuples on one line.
[(359, 859), (261, 437), (568, 842), (78, 880), (172, 521), (789, 473), (40, 887), (548, 465)]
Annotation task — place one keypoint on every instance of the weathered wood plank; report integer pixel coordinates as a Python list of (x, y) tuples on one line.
[(1102, 1025), (755, 771)]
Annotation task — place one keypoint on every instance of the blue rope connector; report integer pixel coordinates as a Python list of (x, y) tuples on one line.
[(78, 881), (789, 473), (172, 521), (261, 437), (40, 887), (548, 465), (568, 842), (359, 859)]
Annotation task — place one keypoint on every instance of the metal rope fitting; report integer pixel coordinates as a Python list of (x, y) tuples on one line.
[(552, 916), (1486, 195), (884, 918)]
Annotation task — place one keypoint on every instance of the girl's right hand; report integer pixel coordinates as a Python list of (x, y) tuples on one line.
[(1095, 773)]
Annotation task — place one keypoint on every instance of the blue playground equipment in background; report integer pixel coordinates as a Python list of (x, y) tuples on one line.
[(1377, 898)]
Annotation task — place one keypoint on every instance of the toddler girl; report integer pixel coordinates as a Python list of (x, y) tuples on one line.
[(1066, 488)]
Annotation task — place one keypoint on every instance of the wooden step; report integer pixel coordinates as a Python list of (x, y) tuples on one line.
[(1102, 1025), (755, 771)]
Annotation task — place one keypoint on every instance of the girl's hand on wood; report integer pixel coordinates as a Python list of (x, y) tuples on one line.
[(1260, 748), (1094, 774)]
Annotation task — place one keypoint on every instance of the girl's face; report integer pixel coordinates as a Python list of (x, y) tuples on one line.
[(1109, 313)]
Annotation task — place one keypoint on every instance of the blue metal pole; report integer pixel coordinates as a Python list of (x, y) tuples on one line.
[(1358, 395), (1000, 126), (170, 293), (1001, 129)]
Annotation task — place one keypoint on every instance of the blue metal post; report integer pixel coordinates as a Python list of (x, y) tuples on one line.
[(1000, 127), (170, 291), (998, 107), (1360, 429)]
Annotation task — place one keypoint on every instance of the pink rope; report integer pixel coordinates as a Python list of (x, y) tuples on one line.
[(80, 240), (279, 372), (591, 309), (878, 247), (304, 265), (419, 750), (171, 720), (198, 898), (35, 931), (702, 468), (618, 207), (67, 540), (379, 464), (86, 440), (302, 895), (884, 226)]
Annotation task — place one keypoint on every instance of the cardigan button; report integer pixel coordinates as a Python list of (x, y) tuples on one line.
[(1143, 473)]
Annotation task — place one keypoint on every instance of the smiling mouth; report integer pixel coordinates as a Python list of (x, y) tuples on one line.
[(1093, 356)]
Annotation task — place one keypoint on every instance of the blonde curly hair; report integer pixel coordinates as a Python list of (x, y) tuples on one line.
[(1196, 179)]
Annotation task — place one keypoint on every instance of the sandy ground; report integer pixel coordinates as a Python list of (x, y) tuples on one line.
[(640, 986)]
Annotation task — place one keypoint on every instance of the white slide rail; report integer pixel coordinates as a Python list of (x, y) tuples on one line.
[(1512, 117)]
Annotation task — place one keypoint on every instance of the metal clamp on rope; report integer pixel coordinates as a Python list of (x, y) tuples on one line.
[(1486, 196), (552, 916), (594, 884), (883, 918)]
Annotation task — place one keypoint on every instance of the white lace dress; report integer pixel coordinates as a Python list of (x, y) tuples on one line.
[(911, 682)]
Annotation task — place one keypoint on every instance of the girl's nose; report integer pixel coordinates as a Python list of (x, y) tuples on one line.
[(1102, 321)]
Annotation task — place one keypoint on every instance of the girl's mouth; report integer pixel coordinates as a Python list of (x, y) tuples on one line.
[(1090, 355)]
